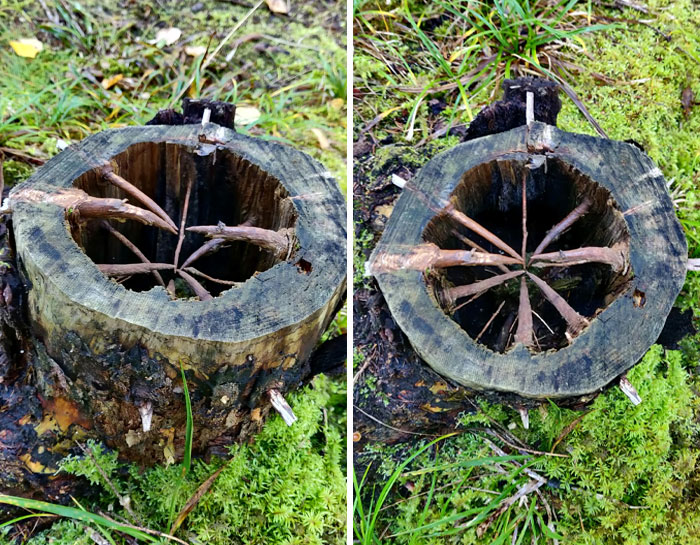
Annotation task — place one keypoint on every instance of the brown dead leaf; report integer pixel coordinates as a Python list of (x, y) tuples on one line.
[(66, 413), (194, 500), (278, 6)]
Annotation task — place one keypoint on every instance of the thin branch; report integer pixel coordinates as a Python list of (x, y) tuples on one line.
[(276, 241), (183, 219), (493, 317), (93, 207), (524, 332), (130, 189), (198, 289), (425, 256), (479, 230), (575, 321), (196, 272), (131, 246), (469, 242), (555, 232), (524, 184), (452, 294), (132, 268), (207, 248), (615, 257)]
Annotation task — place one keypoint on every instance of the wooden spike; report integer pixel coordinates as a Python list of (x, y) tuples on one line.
[(525, 333), (93, 207), (126, 269), (183, 220), (275, 241), (199, 290), (452, 294), (615, 257), (130, 189), (131, 246), (555, 232), (574, 320), (196, 272), (207, 248), (469, 242), (479, 230)]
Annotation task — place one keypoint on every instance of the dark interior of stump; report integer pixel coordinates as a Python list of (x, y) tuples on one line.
[(226, 188), (491, 194)]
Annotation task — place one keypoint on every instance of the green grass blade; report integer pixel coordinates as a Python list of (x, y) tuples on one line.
[(189, 427)]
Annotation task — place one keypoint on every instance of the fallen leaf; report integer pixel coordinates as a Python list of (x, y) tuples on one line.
[(323, 142), (167, 36), (337, 103), (108, 83), (278, 6), (195, 50), (245, 115), (27, 47)]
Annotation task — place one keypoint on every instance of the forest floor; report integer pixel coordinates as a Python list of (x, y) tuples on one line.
[(613, 473), (103, 65)]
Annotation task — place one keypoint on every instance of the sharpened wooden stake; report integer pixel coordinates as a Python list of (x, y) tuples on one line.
[(183, 220), (524, 333), (196, 272), (282, 407), (132, 268), (207, 248), (126, 242), (615, 257), (452, 294), (555, 232), (130, 189), (574, 320), (199, 290), (529, 107), (275, 241)]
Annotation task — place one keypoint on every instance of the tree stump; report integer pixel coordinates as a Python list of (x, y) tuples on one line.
[(147, 250), (533, 262)]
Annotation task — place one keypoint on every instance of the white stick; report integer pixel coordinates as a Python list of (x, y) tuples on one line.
[(281, 406), (629, 390), (529, 107)]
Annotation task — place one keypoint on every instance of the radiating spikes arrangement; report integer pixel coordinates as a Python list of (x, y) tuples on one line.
[(525, 333)]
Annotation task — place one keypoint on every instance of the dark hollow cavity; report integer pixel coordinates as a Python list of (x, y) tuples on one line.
[(491, 194), (226, 188)]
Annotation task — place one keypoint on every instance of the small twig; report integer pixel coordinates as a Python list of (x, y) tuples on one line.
[(375, 419), (452, 294), (615, 257), (130, 189), (207, 248), (629, 390), (493, 317), (131, 246), (198, 289), (183, 219), (124, 501), (469, 242), (524, 332), (555, 232), (479, 230), (276, 241), (575, 321), (281, 406), (196, 272), (132, 268), (22, 157)]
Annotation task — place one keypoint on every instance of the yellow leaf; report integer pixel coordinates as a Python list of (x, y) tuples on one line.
[(323, 142), (337, 103), (27, 47), (278, 6), (108, 83)]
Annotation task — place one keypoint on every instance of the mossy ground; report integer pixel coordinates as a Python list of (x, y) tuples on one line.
[(289, 486), (631, 474)]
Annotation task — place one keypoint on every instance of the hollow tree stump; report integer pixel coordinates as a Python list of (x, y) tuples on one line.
[(534, 262), (145, 250)]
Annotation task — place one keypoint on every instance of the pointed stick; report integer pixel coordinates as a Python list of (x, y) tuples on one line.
[(524, 333), (452, 294), (493, 317), (615, 257), (207, 248), (469, 242), (574, 320), (480, 230), (425, 256), (183, 219), (126, 242), (130, 189), (524, 184), (555, 232), (93, 207), (132, 268), (198, 289), (196, 272), (276, 241)]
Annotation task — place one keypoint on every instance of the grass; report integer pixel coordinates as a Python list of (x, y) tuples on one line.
[(624, 475), (101, 68)]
